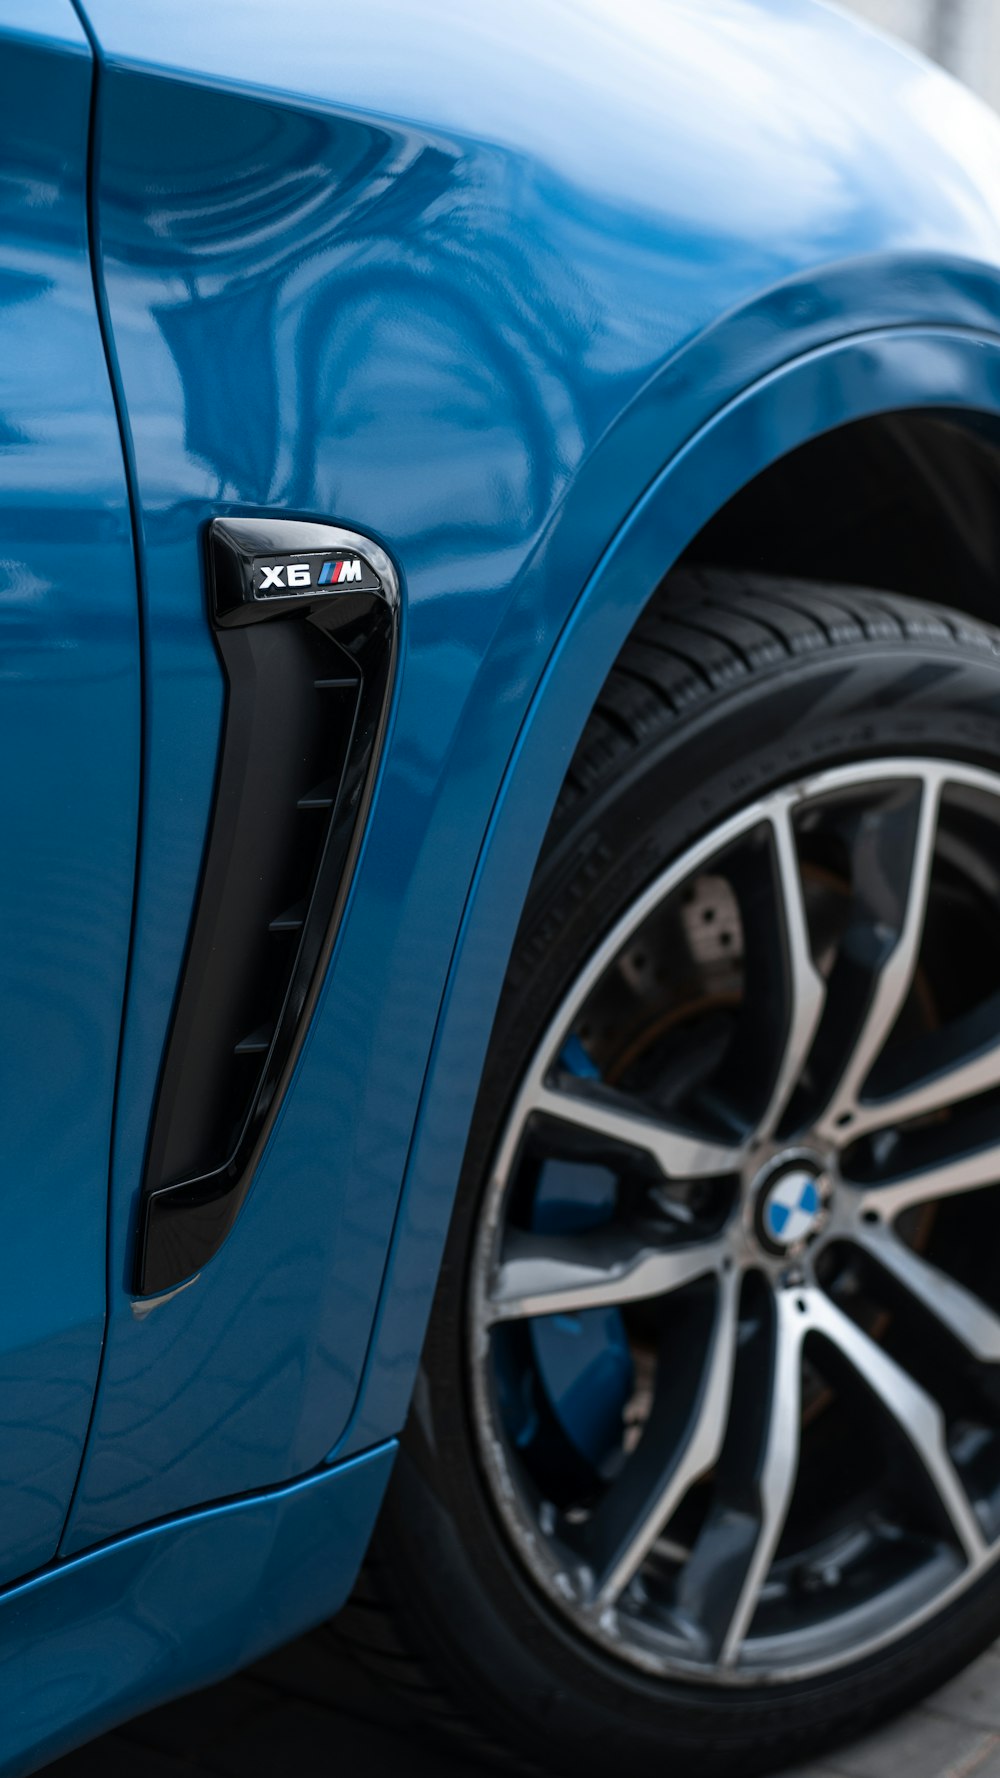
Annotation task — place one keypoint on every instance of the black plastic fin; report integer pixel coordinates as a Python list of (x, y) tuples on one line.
[(306, 622)]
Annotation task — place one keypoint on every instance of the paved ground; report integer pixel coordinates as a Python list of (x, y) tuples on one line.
[(295, 1717)]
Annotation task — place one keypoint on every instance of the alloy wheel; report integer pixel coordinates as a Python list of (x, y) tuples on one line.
[(734, 1328)]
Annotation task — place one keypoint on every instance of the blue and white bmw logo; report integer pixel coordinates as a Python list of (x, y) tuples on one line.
[(792, 1209)]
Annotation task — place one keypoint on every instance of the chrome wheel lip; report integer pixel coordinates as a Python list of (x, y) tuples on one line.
[(760, 1661)]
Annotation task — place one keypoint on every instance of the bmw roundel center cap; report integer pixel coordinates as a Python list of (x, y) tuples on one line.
[(792, 1207)]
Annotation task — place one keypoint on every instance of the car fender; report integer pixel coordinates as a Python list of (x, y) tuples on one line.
[(467, 280), (850, 380)]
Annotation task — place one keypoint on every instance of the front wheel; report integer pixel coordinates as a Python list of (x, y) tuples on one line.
[(703, 1468)]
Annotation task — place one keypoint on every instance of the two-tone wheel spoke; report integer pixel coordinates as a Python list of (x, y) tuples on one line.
[(961, 1063), (916, 1414), (945, 1178), (566, 1274), (645, 1498), (893, 870), (968, 1320), (678, 1153), (805, 987), (720, 1585), (759, 1532)]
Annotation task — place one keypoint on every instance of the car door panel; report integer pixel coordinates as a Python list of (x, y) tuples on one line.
[(69, 740)]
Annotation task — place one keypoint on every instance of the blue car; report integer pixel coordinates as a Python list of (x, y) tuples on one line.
[(499, 867)]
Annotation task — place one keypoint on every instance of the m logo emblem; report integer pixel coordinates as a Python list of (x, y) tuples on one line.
[(336, 573), (315, 574)]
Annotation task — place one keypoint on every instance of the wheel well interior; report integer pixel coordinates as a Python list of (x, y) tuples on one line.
[(902, 501)]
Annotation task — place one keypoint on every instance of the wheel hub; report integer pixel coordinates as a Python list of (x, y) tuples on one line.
[(790, 1201)]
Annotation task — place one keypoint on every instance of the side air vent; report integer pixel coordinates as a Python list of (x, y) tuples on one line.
[(306, 620)]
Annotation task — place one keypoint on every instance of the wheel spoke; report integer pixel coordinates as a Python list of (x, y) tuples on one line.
[(564, 1274), (941, 1179), (915, 1413), (968, 1058), (678, 1154), (777, 1474), (806, 988), (720, 1584), (644, 1500), (975, 1326), (894, 969)]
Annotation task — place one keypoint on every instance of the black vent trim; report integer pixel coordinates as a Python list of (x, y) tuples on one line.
[(306, 621)]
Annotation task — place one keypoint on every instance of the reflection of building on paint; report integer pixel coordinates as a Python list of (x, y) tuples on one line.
[(964, 35)]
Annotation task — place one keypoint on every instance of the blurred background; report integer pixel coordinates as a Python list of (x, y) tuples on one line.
[(963, 35)]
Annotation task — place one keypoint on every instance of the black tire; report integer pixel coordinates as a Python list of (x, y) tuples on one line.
[(730, 685)]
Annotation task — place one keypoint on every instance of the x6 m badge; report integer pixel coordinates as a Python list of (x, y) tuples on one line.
[(277, 577)]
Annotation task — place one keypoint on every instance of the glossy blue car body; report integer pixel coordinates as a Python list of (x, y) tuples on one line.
[(525, 292)]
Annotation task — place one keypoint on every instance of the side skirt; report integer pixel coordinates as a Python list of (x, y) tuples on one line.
[(96, 1640)]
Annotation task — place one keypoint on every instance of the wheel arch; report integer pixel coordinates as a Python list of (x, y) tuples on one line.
[(908, 500), (920, 406)]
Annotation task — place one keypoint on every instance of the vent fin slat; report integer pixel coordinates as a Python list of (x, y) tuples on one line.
[(292, 920), (322, 797)]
